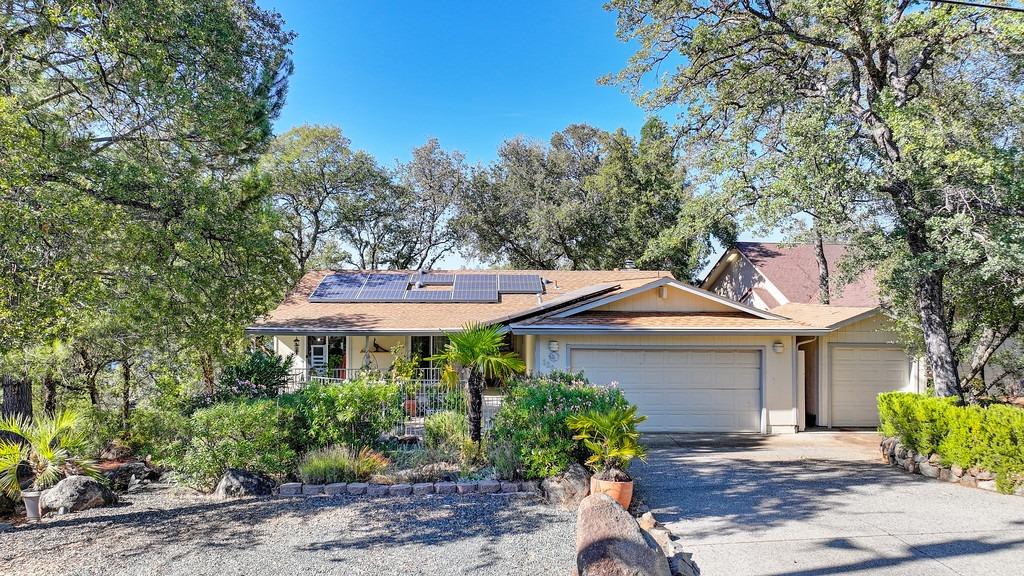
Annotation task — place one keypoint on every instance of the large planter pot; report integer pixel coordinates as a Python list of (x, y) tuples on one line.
[(31, 500), (410, 408), (621, 492)]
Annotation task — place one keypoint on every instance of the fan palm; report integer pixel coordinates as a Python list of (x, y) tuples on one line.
[(45, 450), (475, 354)]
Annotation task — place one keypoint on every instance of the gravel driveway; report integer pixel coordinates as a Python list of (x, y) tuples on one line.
[(164, 532), (822, 503)]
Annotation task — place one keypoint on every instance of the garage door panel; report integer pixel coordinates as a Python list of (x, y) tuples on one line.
[(682, 389), (859, 375)]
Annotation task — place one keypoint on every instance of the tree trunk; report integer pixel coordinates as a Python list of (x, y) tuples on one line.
[(824, 296), (50, 394), (476, 402), (126, 394), (91, 373), (206, 362), (936, 335), (17, 397)]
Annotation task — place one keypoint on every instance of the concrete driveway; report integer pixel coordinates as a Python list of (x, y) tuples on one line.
[(822, 503)]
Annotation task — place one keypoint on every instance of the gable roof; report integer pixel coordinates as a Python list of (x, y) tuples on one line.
[(825, 316), (793, 270), (297, 315)]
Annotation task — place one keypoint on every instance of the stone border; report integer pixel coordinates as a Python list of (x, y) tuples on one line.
[(680, 562), (420, 489), (897, 455)]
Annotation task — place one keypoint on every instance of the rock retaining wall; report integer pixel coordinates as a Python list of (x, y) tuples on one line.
[(421, 489), (896, 454)]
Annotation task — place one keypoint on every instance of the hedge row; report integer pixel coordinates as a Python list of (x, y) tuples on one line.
[(991, 438)]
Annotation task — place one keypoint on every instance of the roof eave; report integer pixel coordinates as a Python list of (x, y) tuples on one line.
[(596, 330)]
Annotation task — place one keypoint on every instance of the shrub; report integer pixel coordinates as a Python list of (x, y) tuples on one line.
[(258, 375), (341, 464), (445, 431), (248, 434), (356, 413), (987, 437), (531, 422)]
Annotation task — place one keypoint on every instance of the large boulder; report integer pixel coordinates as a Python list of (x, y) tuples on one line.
[(568, 489), (131, 475), (609, 542), (237, 483), (76, 493)]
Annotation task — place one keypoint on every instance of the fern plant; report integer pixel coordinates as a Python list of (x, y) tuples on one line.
[(611, 437), (45, 449)]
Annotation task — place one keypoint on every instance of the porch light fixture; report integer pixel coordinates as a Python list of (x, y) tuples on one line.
[(778, 347), (553, 345), (296, 341)]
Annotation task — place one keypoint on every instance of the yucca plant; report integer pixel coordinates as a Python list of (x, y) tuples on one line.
[(44, 451), (612, 439)]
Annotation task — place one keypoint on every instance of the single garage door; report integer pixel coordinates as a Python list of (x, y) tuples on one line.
[(859, 375), (682, 390)]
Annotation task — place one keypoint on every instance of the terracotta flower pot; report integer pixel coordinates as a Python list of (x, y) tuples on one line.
[(31, 500), (410, 407), (622, 492)]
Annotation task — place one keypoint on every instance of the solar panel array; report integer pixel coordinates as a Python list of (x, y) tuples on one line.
[(396, 287)]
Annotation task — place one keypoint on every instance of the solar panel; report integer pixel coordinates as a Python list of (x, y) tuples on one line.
[(520, 284), (335, 287), (430, 279), (384, 288), (475, 288), (428, 295)]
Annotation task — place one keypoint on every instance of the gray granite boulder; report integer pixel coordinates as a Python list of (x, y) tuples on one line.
[(568, 489), (237, 483), (609, 542), (76, 493)]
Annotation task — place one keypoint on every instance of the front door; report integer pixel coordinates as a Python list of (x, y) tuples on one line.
[(318, 357)]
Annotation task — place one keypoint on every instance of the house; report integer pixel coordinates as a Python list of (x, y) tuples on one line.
[(691, 359), (845, 369)]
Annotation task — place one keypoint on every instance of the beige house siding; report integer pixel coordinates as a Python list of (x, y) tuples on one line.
[(285, 345), (674, 300), (739, 278), (877, 330), (779, 378)]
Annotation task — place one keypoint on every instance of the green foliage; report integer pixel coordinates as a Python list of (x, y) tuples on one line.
[(258, 375), (446, 431), (989, 437), (610, 436), (356, 413), (532, 422), (252, 435), (341, 464), (48, 448)]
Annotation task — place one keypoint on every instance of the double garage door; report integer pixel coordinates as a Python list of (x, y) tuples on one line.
[(682, 390)]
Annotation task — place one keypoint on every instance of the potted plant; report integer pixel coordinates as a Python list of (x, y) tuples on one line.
[(403, 371), (43, 451), (613, 441)]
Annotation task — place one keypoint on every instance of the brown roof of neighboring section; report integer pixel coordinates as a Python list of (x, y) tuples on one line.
[(298, 314), (793, 269), (627, 320), (821, 315)]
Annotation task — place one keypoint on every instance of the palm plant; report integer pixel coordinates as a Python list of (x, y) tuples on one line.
[(475, 354), (43, 451), (611, 437)]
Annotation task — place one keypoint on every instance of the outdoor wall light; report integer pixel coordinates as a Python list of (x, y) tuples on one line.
[(553, 345), (296, 345), (778, 347)]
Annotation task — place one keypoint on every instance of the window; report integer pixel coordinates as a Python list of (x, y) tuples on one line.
[(425, 347)]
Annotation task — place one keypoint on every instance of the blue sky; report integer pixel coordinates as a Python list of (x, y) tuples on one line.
[(472, 74)]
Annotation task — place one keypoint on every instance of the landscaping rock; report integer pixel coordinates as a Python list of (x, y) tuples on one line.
[(312, 489), (422, 488), (647, 521), (989, 485), (400, 490), (568, 489), (236, 483), (378, 489), (290, 489), (131, 474), (336, 489), (357, 487), (982, 475), (610, 543), (926, 468), (76, 493), (956, 471), (531, 486), (465, 487), (968, 481), (444, 487), (489, 486), (509, 487)]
